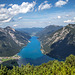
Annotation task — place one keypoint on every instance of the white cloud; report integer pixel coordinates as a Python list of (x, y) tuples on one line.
[(67, 15), (69, 21), (74, 18), (61, 3), (59, 17), (23, 8), (6, 14), (10, 5), (20, 18), (45, 1), (7, 20), (15, 25), (44, 5), (2, 5)]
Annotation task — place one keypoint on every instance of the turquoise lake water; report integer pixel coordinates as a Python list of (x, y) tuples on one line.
[(32, 50), (32, 53)]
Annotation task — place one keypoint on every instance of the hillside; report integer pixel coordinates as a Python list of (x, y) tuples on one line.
[(47, 31), (61, 43), (11, 41)]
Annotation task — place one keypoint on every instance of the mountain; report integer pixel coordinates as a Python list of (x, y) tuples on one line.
[(61, 43), (11, 41), (30, 31), (47, 31)]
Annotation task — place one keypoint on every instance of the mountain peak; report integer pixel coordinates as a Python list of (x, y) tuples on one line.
[(9, 28), (72, 25)]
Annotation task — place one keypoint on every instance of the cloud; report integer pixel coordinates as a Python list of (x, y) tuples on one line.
[(59, 17), (15, 25), (69, 21), (7, 20), (68, 15), (23, 8), (44, 5), (6, 14), (20, 18), (2, 5), (10, 5), (60, 3)]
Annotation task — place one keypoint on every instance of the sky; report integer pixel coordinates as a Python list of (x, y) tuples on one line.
[(36, 13)]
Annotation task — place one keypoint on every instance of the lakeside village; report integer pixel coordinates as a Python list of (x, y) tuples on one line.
[(3, 59)]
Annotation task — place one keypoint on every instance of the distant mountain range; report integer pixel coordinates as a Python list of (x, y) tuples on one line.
[(59, 44), (47, 31), (30, 31), (11, 41)]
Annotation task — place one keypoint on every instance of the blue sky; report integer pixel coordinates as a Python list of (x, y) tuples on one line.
[(36, 13)]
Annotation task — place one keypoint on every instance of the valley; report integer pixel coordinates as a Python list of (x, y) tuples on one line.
[(37, 37), (53, 46), (42, 45)]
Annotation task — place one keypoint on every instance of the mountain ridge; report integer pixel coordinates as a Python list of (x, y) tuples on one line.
[(47, 31), (31, 31), (61, 43), (11, 41)]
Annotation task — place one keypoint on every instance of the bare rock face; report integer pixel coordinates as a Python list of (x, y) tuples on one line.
[(11, 41), (61, 43)]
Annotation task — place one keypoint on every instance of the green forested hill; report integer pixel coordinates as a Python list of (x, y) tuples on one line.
[(54, 67)]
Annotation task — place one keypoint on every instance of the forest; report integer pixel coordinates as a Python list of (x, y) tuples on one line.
[(54, 67)]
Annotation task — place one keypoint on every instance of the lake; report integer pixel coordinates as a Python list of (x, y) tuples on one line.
[(32, 53)]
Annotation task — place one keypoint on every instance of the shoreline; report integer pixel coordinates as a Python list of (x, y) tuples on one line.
[(16, 56), (3, 59)]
